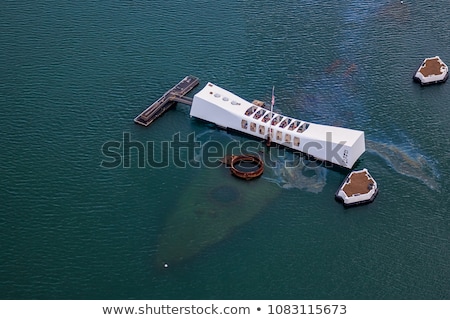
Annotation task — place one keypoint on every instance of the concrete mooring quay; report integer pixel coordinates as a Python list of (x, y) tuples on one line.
[(169, 99)]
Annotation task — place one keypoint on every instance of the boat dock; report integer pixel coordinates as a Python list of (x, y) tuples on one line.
[(169, 99)]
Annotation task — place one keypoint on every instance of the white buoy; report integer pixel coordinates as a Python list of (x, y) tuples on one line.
[(166, 265)]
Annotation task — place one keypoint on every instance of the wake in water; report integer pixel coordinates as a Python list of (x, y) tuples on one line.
[(337, 95), (410, 162), (333, 99), (404, 158)]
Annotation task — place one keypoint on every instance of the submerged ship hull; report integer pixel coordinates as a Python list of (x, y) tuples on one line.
[(211, 207)]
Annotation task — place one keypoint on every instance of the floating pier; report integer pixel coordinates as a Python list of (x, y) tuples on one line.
[(358, 188), (169, 99), (432, 70)]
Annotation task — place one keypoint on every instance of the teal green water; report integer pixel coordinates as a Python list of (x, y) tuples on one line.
[(74, 75)]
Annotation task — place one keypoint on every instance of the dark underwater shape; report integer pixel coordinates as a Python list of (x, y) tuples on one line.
[(211, 207)]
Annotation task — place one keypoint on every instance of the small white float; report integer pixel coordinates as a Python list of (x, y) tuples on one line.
[(432, 70), (358, 188)]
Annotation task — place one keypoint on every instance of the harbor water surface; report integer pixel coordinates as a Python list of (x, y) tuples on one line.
[(75, 74)]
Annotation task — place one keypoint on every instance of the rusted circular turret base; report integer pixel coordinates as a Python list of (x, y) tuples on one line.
[(233, 161)]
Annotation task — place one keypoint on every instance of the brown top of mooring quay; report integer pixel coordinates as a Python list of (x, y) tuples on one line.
[(431, 66), (359, 184)]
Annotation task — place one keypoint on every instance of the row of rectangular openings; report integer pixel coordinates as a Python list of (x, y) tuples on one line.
[(262, 131), (276, 119), (287, 138), (261, 128)]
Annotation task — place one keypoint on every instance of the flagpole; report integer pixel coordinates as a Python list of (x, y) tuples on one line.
[(269, 140)]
